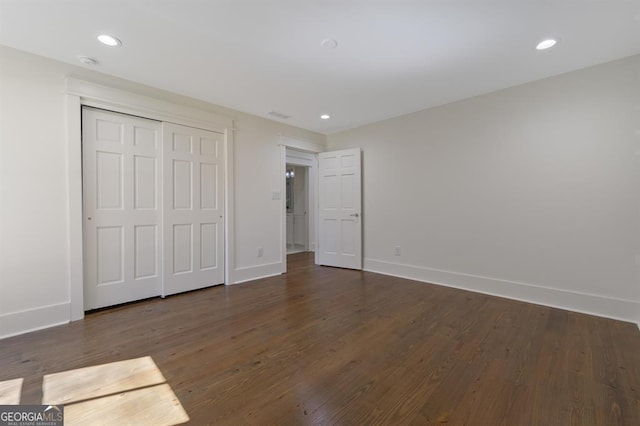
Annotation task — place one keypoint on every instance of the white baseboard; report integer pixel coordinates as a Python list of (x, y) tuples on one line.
[(624, 310), (34, 319), (250, 273)]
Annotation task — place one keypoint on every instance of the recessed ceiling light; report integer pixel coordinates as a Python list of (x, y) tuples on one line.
[(109, 40), (85, 60), (325, 116), (329, 43), (546, 44)]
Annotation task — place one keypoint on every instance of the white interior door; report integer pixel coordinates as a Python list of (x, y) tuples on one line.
[(340, 198), (193, 211), (121, 207)]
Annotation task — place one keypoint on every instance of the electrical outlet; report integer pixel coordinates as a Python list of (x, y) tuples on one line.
[(396, 251), (260, 251)]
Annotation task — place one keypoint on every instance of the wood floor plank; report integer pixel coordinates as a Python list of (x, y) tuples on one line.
[(324, 345)]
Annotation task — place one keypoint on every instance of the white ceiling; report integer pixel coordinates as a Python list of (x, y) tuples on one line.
[(393, 56)]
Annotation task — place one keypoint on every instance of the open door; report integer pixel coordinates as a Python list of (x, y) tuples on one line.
[(340, 201)]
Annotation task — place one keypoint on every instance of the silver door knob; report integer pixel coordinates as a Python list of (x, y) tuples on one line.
[(354, 214)]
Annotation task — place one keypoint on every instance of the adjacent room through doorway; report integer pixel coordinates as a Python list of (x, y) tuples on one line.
[(297, 205)]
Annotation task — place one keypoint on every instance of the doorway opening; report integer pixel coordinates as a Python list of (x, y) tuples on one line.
[(297, 205), (299, 183)]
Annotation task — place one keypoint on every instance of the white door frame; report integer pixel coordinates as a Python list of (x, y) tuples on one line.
[(79, 93), (310, 160)]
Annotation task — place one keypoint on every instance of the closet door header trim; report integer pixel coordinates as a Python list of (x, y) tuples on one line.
[(117, 100)]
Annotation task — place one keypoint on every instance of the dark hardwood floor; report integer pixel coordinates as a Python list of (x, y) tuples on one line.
[(329, 346)]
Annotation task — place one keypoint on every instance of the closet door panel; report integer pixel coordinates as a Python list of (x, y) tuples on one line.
[(121, 207), (193, 214)]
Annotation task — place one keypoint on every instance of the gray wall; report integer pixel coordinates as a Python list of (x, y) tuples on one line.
[(531, 192)]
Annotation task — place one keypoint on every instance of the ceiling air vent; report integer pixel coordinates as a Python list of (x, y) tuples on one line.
[(278, 115)]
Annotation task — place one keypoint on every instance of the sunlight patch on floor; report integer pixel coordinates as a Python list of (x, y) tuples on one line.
[(10, 391), (124, 392), (100, 380), (156, 405)]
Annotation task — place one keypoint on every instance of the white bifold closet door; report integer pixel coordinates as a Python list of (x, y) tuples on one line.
[(153, 202), (121, 206), (193, 208)]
